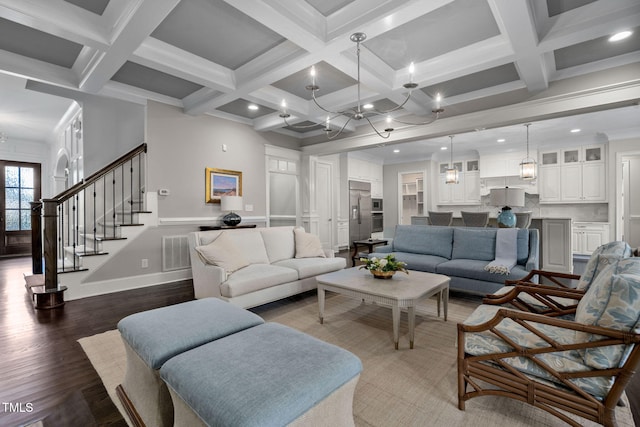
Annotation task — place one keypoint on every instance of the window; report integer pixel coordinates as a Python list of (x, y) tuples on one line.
[(19, 193)]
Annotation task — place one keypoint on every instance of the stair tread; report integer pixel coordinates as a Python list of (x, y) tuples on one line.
[(106, 239), (71, 270), (117, 224), (34, 280)]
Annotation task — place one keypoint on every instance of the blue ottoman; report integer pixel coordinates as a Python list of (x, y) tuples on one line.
[(155, 336), (269, 375)]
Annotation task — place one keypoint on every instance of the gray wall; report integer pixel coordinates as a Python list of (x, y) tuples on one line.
[(181, 147), (111, 128)]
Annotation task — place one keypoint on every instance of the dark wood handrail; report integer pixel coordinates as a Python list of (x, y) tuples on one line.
[(69, 192)]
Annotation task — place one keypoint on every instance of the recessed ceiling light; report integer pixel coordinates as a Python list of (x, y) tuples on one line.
[(501, 140), (443, 148), (575, 130), (620, 36), (252, 107), (396, 151), (367, 106)]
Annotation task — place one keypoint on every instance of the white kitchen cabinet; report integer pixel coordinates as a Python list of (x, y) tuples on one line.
[(556, 245), (466, 191), (588, 236), (549, 184), (574, 175), (343, 233), (472, 187), (362, 170)]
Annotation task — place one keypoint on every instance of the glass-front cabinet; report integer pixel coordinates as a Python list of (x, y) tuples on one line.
[(573, 175)]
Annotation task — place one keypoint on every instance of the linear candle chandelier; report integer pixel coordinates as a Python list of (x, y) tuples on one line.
[(359, 112)]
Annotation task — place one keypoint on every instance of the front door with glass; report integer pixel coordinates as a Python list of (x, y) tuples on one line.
[(20, 185)]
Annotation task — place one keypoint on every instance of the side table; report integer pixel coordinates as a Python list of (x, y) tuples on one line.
[(369, 243)]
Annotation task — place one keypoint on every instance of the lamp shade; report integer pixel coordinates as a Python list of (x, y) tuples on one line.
[(507, 197), (230, 203)]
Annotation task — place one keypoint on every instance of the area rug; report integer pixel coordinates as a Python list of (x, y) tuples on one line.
[(397, 387)]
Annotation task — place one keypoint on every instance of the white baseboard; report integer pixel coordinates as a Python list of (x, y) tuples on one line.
[(85, 290)]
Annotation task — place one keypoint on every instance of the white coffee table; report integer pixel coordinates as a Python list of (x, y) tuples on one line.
[(402, 291)]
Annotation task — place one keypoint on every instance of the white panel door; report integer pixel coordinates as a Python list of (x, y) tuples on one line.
[(325, 206), (631, 202)]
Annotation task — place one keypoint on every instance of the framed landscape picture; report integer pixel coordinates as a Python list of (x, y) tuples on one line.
[(222, 182)]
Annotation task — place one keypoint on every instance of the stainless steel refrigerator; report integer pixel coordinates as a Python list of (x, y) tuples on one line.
[(360, 211)]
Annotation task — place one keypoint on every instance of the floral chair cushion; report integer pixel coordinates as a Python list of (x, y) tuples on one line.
[(486, 342), (599, 260), (612, 301)]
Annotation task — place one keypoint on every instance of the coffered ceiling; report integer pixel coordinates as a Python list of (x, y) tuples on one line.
[(218, 57)]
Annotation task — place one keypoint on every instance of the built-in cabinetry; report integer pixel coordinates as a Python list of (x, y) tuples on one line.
[(362, 170), (573, 175), (467, 190), (556, 245), (587, 236)]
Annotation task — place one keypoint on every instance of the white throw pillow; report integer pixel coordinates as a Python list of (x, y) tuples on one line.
[(307, 245), (223, 253)]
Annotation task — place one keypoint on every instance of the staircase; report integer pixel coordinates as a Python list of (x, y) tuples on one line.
[(83, 225)]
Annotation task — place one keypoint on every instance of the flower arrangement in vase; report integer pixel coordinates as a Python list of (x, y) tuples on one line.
[(383, 268)]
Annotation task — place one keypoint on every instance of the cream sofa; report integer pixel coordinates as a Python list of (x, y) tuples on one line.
[(250, 267)]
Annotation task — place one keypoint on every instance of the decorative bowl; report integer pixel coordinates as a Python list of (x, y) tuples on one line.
[(378, 274)]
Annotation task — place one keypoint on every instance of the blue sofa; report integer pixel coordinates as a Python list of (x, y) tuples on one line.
[(460, 253)]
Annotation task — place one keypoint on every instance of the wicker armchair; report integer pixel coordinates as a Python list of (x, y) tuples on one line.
[(565, 367), (550, 293)]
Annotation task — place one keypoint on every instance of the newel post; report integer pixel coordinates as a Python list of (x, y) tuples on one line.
[(50, 244), (36, 237)]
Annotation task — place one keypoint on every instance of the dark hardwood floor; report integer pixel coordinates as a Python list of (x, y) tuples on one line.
[(44, 373)]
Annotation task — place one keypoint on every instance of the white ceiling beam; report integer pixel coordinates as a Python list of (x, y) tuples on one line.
[(378, 17), (515, 22), (295, 21), (567, 98), (276, 58), (479, 56), (588, 22), (156, 54), (58, 18), (18, 65), (268, 122), (316, 52), (132, 32), (135, 94)]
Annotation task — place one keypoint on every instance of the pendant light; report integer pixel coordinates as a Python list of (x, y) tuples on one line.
[(528, 165), (451, 175)]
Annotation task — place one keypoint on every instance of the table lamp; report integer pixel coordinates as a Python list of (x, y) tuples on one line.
[(231, 204), (507, 197)]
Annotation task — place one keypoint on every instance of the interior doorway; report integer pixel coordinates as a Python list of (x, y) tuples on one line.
[(411, 201), (628, 218), (19, 186)]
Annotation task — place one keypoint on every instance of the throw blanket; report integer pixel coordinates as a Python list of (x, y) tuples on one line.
[(506, 251)]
